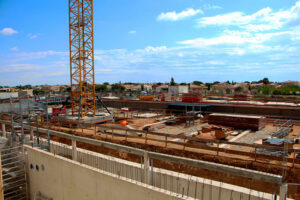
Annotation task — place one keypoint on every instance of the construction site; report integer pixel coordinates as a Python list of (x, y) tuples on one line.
[(85, 145)]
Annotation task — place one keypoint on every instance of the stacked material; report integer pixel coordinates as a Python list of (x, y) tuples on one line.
[(154, 126), (277, 142), (237, 121), (281, 133)]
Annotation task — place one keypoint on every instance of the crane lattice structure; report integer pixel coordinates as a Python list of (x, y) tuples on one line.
[(82, 57)]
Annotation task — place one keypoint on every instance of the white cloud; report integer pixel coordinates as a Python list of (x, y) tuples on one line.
[(57, 74), (31, 36), (14, 49), (132, 32), (262, 20), (232, 38), (173, 16), (38, 54), (211, 7), (155, 49), (8, 31), (20, 67)]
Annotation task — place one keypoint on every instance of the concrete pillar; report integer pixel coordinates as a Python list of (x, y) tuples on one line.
[(74, 150), (3, 130), (147, 173), (283, 191)]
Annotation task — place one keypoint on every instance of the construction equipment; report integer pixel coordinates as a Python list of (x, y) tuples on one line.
[(82, 74)]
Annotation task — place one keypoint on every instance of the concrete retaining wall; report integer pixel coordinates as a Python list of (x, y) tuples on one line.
[(181, 184), (55, 177)]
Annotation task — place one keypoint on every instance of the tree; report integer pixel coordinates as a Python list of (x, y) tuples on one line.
[(216, 82), (142, 87), (208, 85), (228, 91), (264, 81), (38, 91), (117, 87), (68, 89), (106, 83), (183, 84), (172, 81), (238, 89), (197, 83), (276, 92), (100, 88)]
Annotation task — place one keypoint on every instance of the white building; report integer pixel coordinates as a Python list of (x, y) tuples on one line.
[(175, 89)]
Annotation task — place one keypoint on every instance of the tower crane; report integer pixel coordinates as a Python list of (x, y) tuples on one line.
[(82, 74)]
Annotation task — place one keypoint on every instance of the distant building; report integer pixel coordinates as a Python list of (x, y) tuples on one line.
[(241, 88), (5, 89), (290, 83), (200, 89), (222, 88), (148, 87), (25, 93), (131, 87), (8, 95), (51, 89), (257, 85), (160, 88), (176, 89), (275, 85)]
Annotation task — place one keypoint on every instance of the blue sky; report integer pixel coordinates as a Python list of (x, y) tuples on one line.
[(153, 40)]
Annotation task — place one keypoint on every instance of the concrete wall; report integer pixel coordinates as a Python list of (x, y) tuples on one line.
[(7, 95), (173, 182), (61, 178), (26, 103), (291, 113)]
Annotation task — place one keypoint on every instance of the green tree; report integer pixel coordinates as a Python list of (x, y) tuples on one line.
[(238, 89), (38, 91), (100, 88), (197, 82), (264, 81), (172, 81), (276, 92), (228, 91), (117, 87), (208, 85)]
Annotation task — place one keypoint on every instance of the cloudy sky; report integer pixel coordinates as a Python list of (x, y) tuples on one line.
[(153, 40)]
